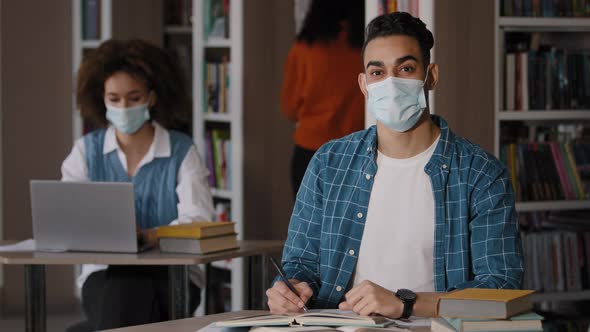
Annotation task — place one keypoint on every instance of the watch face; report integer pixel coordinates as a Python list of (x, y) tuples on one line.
[(406, 294)]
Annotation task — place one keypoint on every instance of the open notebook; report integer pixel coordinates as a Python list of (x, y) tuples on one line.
[(311, 318)]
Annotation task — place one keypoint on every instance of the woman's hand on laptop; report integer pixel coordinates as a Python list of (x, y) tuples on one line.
[(281, 300)]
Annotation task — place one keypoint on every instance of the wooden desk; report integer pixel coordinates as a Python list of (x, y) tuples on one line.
[(35, 262), (194, 324)]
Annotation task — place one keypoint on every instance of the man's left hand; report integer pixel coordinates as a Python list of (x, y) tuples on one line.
[(368, 298)]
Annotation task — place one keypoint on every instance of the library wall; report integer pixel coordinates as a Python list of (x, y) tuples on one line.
[(36, 126), (268, 202), (464, 43)]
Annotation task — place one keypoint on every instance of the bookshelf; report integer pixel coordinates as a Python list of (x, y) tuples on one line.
[(549, 29), (542, 46), (424, 9), (210, 48), (232, 46), (91, 25)]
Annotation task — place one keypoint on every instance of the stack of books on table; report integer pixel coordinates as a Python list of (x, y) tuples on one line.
[(487, 310), (198, 238)]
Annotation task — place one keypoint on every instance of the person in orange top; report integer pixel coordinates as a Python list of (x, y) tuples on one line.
[(319, 92)]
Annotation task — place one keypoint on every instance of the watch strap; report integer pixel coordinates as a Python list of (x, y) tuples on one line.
[(408, 308)]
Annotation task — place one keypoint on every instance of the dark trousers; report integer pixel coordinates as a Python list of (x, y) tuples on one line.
[(128, 295), (299, 162)]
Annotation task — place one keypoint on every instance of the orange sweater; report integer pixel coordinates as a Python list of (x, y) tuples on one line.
[(320, 92)]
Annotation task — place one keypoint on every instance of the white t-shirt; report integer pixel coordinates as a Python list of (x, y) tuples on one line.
[(398, 239), (194, 197)]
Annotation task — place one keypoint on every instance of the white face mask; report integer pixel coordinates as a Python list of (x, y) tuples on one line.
[(396, 102), (128, 120)]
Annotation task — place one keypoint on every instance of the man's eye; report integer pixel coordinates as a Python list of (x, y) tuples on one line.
[(114, 100), (376, 73), (407, 69)]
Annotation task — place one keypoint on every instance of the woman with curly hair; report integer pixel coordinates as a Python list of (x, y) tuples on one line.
[(136, 95)]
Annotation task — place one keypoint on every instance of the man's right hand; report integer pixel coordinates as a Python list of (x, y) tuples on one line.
[(282, 301)]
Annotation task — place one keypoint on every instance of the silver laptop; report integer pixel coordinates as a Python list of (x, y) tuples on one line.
[(83, 216)]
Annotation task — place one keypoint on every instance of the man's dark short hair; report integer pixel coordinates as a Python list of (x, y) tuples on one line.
[(400, 23)]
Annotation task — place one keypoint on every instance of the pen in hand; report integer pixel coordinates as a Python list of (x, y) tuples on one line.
[(287, 282)]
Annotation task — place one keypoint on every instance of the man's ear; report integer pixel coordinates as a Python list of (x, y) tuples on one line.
[(363, 84), (432, 80)]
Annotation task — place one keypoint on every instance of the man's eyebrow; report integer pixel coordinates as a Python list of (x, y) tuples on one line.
[(405, 58), (375, 63), (397, 61)]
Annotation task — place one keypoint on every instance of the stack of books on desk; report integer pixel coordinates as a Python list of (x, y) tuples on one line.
[(487, 310), (197, 237)]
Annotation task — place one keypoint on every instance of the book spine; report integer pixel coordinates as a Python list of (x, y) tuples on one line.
[(210, 159), (560, 264), (222, 86), (512, 164), (91, 16), (536, 8), (576, 177), (568, 171), (217, 159), (524, 192), (518, 83), (547, 267), (507, 8), (228, 158), (510, 85), (560, 169), (524, 81)]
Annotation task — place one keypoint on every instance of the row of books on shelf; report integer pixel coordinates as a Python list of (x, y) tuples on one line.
[(546, 8), (547, 79), (199, 237), (218, 158), (90, 19), (539, 221), (548, 171), (390, 6), (216, 18), (557, 261), (216, 78), (178, 12)]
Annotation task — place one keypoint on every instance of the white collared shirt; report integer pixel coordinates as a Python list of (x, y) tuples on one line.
[(194, 196)]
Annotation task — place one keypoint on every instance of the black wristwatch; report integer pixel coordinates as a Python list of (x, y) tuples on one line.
[(408, 298)]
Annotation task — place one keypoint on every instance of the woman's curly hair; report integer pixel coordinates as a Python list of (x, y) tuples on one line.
[(143, 61)]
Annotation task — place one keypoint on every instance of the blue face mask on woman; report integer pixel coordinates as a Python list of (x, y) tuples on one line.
[(128, 120), (396, 102)]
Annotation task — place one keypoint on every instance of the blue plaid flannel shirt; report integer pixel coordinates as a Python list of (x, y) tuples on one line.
[(476, 236)]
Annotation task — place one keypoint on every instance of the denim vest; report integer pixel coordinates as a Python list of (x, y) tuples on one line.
[(154, 184)]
